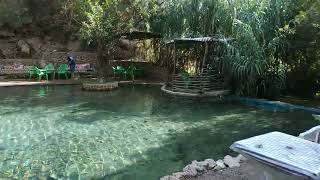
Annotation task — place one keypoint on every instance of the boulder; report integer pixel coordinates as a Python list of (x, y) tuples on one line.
[(190, 170), (53, 176), (200, 166), (24, 48), (35, 43), (241, 158), (210, 163), (3, 147), (167, 178), (231, 161), (2, 56), (177, 176), (220, 165)]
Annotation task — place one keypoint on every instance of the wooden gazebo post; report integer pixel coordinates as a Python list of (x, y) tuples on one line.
[(205, 57)]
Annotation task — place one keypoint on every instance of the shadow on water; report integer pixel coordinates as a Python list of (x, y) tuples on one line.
[(204, 142)]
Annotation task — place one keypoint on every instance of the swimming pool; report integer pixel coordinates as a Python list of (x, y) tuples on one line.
[(136, 132)]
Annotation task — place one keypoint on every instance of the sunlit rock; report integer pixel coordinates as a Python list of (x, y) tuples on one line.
[(220, 165), (231, 161), (210, 163)]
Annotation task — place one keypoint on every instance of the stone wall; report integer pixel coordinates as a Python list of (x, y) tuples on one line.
[(27, 62), (152, 71), (57, 58)]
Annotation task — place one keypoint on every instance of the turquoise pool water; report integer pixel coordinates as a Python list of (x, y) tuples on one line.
[(136, 132)]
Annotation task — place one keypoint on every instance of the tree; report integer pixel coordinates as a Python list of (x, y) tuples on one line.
[(103, 20), (256, 63), (302, 53)]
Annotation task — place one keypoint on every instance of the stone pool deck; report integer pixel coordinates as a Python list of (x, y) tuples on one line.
[(10, 83), (23, 82)]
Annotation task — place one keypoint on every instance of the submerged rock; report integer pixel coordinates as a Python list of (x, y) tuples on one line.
[(231, 161), (53, 176), (2, 147)]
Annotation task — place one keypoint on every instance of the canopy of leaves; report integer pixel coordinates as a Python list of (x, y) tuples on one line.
[(105, 19)]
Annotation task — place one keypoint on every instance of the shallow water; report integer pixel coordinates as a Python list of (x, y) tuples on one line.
[(135, 132)]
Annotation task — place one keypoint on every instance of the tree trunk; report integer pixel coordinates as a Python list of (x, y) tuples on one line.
[(101, 64)]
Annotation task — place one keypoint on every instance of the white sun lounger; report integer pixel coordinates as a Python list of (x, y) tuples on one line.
[(312, 135), (288, 154)]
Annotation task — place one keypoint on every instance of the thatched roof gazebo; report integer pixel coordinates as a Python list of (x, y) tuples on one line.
[(207, 77)]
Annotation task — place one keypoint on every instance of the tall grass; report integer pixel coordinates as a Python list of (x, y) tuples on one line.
[(254, 24)]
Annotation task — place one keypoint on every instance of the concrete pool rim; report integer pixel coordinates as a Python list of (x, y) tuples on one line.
[(272, 105)]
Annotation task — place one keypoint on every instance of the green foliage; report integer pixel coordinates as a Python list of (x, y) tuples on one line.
[(255, 63), (105, 19), (303, 51), (14, 12), (254, 24)]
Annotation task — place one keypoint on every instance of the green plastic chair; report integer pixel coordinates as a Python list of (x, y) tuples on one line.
[(133, 72), (50, 70), (41, 73), (129, 72), (63, 70), (138, 72), (32, 72), (118, 71)]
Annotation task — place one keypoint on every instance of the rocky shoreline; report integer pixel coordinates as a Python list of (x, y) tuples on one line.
[(198, 169)]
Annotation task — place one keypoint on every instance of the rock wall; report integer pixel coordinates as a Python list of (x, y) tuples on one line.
[(152, 71), (27, 62), (57, 58)]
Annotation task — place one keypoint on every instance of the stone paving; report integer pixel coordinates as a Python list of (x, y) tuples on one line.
[(10, 83)]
